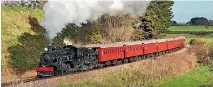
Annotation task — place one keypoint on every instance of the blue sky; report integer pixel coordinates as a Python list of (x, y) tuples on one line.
[(183, 11)]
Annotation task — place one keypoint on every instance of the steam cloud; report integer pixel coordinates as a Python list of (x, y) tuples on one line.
[(59, 13)]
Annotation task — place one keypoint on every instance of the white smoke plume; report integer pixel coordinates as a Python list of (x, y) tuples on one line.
[(59, 13)]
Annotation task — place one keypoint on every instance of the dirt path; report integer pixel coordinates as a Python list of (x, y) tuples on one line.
[(181, 61)]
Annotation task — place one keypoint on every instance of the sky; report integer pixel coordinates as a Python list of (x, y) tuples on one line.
[(183, 11)]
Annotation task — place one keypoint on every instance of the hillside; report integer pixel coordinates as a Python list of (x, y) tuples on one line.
[(22, 41)]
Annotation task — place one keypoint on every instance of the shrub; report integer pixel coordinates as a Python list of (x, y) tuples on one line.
[(211, 56), (201, 49), (193, 41)]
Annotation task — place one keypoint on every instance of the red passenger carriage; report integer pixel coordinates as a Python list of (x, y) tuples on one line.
[(150, 46), (133, 49), (162, 45)]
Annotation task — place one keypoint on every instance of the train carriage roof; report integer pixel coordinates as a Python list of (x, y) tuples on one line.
[(117, 44), (105, 45), (120, 44), (161, 40)]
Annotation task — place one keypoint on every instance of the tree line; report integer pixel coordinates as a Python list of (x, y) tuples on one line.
[(196, 21)]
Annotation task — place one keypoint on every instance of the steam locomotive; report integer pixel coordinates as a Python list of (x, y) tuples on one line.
[(58, 60)]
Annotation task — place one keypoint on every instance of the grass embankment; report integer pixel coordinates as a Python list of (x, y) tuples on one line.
[(22, 40), (140, 73), (200, 75), (194, 78)]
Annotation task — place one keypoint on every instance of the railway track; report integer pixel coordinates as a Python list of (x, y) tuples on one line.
[(37, 79)]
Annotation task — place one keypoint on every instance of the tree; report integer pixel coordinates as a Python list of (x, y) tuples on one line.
[(188, 23), (199, 21), (95, 35), (173, 22), (159, 14)]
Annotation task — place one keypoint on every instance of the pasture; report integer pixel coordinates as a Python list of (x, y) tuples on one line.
[(190, 28), (192, 32)]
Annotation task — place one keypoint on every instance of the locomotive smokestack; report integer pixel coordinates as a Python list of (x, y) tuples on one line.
[(67, 41), (59, 13)]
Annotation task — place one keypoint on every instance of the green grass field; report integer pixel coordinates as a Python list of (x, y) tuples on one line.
[(194, 78), (190, 28), (185, 30)]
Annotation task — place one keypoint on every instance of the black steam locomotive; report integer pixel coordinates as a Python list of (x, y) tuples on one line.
[(57, 60)]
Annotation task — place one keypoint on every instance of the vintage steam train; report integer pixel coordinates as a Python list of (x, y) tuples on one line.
[(57, 60)]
